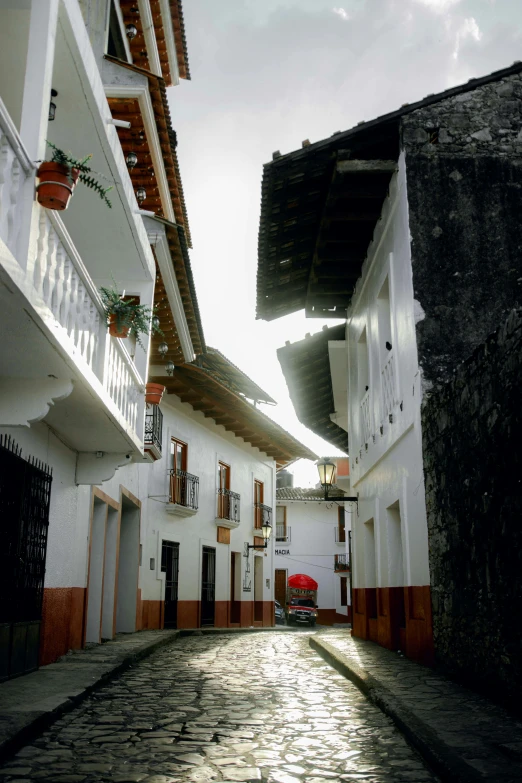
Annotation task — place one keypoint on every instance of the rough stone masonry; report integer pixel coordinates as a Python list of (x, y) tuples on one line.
[(472, 435), (464, 182)]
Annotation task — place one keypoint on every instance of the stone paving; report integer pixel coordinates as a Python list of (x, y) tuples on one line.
[(221, 708), (479, 739)]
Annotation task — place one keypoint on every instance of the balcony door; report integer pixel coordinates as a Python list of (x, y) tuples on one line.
[(208, 585), (170, 567), (178, 467), (341, 525), (224, 485), (281, 523), (258, 501)]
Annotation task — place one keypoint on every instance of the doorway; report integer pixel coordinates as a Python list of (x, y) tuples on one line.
[(129, 563), (235, 587), (280, 585), (258, 589), (170, 567), (208, 585)]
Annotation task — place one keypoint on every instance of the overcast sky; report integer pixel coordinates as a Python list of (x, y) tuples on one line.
[(267, 74)]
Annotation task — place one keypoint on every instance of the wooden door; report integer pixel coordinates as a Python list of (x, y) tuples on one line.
[(178, 465), (224, 486), (280, 585), (208, 585), (170, 567)]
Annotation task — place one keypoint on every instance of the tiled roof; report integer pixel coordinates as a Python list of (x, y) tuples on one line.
[(307, 493), (233, 377)]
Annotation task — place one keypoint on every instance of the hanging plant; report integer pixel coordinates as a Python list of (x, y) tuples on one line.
[(58, 178), (125, 315)]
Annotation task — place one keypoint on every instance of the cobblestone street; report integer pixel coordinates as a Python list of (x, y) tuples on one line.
[(223, 708)]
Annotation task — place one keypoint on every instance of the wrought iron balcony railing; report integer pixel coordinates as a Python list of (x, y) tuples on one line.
[(262, 515), (283, 533), (228, 505), (184, 489), (341, 562), (154, 430)]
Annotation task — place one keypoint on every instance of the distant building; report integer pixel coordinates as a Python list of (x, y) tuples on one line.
[(312, 536)]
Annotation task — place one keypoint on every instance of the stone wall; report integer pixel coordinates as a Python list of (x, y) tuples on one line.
[(472, 436), (464, 182)]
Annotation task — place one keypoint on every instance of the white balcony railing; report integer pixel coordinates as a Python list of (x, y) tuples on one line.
[(389, 387), (56, 276), (365, 418), (15, 169)]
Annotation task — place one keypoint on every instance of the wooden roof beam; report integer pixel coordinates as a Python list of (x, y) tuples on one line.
[(366, 166)]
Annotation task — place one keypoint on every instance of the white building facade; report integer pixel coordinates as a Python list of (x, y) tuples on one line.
[(105, 529)]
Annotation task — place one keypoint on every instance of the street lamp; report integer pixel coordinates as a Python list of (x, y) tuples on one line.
[(266, 531), (170, 367), (326, 474)]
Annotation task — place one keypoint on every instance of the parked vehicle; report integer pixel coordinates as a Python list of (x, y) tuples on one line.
[(279, 613), (301, 600)]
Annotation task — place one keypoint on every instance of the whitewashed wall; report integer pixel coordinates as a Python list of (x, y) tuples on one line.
[(386, 467)]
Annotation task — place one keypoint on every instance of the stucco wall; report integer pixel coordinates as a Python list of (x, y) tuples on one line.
[(464, 180), (386, 467), (472, 430)]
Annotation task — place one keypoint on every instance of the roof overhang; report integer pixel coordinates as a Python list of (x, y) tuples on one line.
[(306, 367), (199, 388), (319, 209)]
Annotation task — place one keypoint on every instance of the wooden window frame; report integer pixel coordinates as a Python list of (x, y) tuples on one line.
[(174, 488), (341, 528), (258, 514), (222, 500)]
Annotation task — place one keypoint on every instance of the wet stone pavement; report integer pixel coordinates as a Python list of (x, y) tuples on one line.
[(223, 708)]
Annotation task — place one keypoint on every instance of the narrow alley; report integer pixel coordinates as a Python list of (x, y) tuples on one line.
[(223, 708)]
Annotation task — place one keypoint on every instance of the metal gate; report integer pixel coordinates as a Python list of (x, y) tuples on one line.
[(208, 585), (170, 566), (25, 491)]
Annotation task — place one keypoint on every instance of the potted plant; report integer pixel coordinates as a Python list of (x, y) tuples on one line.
[(58, 178), (125, 315)]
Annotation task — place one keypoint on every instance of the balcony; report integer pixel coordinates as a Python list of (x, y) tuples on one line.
[(340, 535), (153, 433), (228, 510), (283, 534), (183, 493), (56, 346), (341, 563)]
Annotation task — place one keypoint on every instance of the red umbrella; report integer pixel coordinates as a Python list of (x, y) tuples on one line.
[(302, 582)]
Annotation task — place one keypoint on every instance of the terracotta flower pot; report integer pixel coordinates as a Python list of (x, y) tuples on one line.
[(113, 328), (55, 187), (154, 393)]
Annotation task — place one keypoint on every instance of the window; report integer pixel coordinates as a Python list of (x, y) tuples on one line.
[(115, 44), (281, 523), (178, 469), (224, 488), (258, 499), (341, 525)]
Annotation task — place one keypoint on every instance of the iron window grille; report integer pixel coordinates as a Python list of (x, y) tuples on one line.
[(262, 515), (228, 505), (184, 489), (342, 562), (154, 427)]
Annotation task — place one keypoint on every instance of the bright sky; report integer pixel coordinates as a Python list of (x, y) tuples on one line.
[(267, 74)]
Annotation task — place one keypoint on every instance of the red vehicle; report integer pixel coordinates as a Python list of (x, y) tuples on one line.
[(301, 600)]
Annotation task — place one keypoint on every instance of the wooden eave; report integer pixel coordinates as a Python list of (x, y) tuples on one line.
[(199, 388), (131, 15), (135, 139), (318, 216), (183, 271), (314, 228), (306, 367), (233, 376)]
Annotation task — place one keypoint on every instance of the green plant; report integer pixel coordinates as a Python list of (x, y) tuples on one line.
[(128, 315), (65, 159)]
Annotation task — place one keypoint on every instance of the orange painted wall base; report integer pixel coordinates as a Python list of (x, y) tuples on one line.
[(330, 616), (62, 622), (398, 618)]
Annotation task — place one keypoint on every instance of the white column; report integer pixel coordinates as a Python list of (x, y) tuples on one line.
[(38, 76)]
